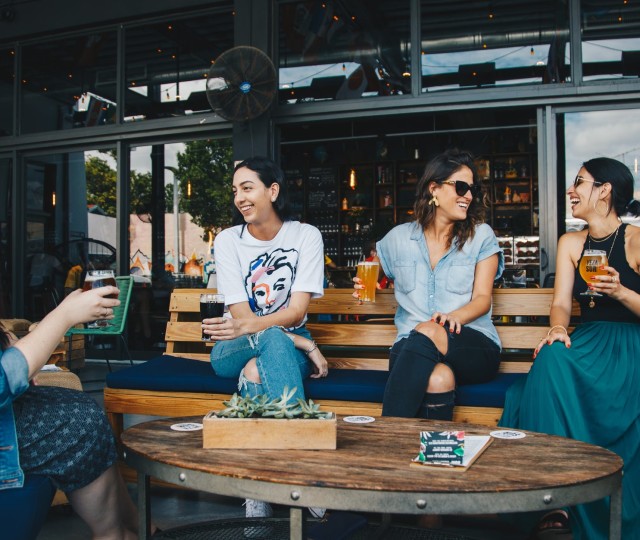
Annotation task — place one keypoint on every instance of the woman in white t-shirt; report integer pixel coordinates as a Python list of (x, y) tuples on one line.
[(268, 269)]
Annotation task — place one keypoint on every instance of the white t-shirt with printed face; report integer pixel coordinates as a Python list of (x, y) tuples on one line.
[(265, 273)]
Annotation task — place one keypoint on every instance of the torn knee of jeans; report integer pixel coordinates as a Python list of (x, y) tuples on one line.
[(245, 384)]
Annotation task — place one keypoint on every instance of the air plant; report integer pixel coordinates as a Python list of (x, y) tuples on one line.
[(261, 406)]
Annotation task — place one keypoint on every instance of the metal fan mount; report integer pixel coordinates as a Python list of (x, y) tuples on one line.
[(241, 84)]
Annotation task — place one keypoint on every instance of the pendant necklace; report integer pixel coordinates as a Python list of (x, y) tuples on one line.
[(592, 302)]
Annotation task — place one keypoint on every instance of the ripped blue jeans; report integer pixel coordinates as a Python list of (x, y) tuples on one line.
[(279, 363)]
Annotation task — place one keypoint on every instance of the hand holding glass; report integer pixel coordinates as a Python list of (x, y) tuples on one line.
[(211, 305), (95, 279), (368, 275), (591, 265)]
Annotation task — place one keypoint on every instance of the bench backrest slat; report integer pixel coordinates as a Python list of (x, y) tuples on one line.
[(370, 337)]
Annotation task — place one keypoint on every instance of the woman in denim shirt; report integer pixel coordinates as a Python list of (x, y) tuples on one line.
[(58, 432), (443, 265)]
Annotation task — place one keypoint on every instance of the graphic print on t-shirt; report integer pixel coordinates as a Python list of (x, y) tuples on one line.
[(269, 280)]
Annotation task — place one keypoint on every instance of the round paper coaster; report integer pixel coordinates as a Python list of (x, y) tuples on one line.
[(359, 419), (507, 434), (187, 426)]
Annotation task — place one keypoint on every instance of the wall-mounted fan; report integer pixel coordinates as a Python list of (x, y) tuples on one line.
[(241, 84)]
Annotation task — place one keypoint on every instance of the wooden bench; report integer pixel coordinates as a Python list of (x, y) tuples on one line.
[(348, 344)]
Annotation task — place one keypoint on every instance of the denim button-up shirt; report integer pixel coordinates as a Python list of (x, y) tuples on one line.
[(14, 380), (421, 290)]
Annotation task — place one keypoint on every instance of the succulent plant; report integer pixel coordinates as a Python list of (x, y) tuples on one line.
[(262, 406)]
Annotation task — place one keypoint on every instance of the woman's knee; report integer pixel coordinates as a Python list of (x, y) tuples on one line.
[(251, 372), (442, 380), (435, 333)]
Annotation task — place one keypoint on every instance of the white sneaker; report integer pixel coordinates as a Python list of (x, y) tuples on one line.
[(257, 509), (317, 512)]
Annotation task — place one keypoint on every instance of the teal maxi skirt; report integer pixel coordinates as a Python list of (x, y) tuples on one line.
[(590, 392)]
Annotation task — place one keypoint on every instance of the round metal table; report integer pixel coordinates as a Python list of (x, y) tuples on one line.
[(370, 472)]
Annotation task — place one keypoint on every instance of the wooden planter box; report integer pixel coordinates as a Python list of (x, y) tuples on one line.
[(269, 433)]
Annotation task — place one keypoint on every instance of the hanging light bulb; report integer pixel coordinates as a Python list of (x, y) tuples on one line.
[(352, 179)]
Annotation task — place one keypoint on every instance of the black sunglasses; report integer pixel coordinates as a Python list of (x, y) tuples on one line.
[(463, 187), (579, 179)]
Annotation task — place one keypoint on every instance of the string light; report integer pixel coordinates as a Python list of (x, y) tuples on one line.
[(53, 198), (188, 188), (352, 179)]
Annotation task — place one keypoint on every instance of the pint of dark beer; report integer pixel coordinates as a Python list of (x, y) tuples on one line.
[(211, 306), (95, 279)]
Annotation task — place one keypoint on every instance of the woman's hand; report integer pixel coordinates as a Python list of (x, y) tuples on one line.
[(608, 284), (223, 328), (82, 307), (557, 333), (320, 365), (358, 286), (455, 325)]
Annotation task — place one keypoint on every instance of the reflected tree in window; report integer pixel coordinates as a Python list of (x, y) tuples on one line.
[(204, 175)]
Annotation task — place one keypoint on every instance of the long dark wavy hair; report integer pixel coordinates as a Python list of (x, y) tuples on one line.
[(4, 337), (439, 169), (604, 169), (269, 173)]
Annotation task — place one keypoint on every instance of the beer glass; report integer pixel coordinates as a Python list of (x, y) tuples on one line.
[(95, 279), (368, 274), (211, 305), (590, 265)]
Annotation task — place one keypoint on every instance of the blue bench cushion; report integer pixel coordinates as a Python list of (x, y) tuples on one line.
[(175, 374)]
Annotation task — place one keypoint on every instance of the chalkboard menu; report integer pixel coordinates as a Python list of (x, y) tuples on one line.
[(322, 189)]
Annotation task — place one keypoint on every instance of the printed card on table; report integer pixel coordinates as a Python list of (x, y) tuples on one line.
[(441, 447), (450, 449)]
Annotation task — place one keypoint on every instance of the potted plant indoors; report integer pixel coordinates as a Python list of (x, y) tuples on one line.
[(260, 423)]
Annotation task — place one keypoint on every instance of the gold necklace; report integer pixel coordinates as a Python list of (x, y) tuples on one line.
[(592, 302), (604, 238)]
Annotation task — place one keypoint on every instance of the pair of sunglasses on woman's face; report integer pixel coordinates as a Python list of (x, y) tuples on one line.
[(462, 187)]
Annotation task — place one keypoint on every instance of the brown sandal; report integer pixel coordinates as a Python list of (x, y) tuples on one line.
[(555, 524)]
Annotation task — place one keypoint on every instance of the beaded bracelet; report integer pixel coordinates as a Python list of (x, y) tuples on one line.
[(315, 346), (557, 326)]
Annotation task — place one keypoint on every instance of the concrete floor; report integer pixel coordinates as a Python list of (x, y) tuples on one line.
[(176, 507)]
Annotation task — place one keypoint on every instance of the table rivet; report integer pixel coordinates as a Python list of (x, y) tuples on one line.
[(547, 499), (295, 495), (182, 477), (421, 503)]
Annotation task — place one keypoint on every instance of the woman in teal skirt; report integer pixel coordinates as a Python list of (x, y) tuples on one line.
[(586, 386)]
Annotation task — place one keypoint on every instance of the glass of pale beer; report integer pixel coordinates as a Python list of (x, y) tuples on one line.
[(95, 279), (368, 274), (590, 265)]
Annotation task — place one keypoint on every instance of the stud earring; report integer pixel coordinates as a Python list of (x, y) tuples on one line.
[(434, 201)]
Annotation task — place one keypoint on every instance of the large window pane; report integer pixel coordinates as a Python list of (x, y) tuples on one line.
[(470, 45), (167, 65), (171, 231), (6, 270), (7, 72), (612, 134), (70, 224), (610, 39), (343, 50), (69, 83)]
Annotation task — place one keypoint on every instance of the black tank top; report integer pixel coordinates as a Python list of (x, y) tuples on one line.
[(607, 309)]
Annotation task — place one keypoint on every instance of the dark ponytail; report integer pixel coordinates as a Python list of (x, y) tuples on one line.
[(633, 207)]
